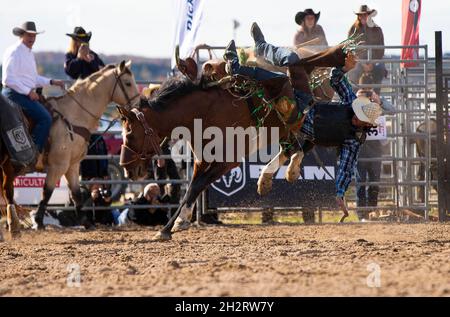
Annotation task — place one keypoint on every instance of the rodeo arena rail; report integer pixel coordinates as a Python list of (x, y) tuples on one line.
[(408, 161)]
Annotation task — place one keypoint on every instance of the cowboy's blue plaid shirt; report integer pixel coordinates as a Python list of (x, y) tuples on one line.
[(349, 150)]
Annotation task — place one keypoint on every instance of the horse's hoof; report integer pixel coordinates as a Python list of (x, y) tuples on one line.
[(14, 229), (181, 225), (38, 225), (264, 185), (88, 225), (162, 236)]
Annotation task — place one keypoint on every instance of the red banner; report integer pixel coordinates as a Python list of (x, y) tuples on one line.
[(410, 30)]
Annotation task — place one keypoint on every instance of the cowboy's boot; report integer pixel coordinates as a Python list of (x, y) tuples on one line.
[(230, 56), (257, 34), (230, 52)]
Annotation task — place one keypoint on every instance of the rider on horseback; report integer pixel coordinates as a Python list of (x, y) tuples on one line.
[(340, 124), (20, 80)]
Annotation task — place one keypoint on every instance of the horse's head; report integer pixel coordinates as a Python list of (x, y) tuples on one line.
[(125, 91), (140, 143)]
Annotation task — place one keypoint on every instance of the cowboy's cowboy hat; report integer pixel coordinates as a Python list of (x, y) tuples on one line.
[(364, 9), (26, 27), (147, 91), (80, 34), (366, 111), (300, 16)]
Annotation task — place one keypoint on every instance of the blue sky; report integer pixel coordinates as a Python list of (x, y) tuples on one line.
[(147, 27)]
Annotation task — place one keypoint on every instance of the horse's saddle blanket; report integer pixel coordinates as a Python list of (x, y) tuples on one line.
[(15, 135)]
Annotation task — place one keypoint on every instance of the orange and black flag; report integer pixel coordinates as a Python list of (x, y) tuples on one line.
[(410, 30)]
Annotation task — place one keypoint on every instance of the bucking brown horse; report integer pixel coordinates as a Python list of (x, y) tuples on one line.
[(179, 102)]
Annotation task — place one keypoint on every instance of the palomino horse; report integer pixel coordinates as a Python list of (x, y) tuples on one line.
[(177, 104), (81, 107)]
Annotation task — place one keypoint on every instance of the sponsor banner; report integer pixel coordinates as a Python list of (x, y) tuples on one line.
[(28, 190), (410, 30), (315, 188), (188, 15)]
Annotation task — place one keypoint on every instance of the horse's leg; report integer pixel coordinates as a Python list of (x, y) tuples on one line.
[(293, 170), (294, 167), (183, 221), (8, 189), (73, 176), (53, 176), (197, 186), (265, 179)]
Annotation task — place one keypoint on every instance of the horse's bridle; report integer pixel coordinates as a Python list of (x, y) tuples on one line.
[(119, 82), (151, 142)]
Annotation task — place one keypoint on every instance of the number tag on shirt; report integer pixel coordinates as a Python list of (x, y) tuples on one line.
[(378, 133)]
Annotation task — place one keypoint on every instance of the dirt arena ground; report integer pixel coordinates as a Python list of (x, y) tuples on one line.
[(236, 260)]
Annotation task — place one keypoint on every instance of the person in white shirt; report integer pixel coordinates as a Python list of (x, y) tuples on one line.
[(20, 80)]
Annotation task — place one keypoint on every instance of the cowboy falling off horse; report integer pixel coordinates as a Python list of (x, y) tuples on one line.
[(228, 84), (343, 124)]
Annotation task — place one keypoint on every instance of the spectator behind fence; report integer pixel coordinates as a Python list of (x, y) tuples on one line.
[(370, 171), (93, 197), (148, 216), (309, 29), (101, 197), (371, 34), (80, 63)]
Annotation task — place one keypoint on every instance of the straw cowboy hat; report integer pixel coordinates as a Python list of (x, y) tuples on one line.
[(147, 91), (26, 27), (366, 111), (80, 34), (300, 16), (365, 9)]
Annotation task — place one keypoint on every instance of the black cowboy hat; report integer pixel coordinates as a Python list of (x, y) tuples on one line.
[(80, 34), (26, 27), (300, 16), (364, 9)]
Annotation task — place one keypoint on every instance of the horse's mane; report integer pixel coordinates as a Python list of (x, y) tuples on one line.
[(92, 77), (170, 89)]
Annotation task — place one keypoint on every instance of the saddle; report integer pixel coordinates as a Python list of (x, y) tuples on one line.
[(50, 104)]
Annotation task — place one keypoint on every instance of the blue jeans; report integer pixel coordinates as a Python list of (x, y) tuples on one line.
[(36, 112), (278, 56), (256, 73)]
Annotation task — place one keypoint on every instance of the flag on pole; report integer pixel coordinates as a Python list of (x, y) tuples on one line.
[(410, 30), (189, 14)]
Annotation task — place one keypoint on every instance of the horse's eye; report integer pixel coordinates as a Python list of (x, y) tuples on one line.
[(128, 84)]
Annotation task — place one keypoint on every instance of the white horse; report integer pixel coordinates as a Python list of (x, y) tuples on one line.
[(78, 112)]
